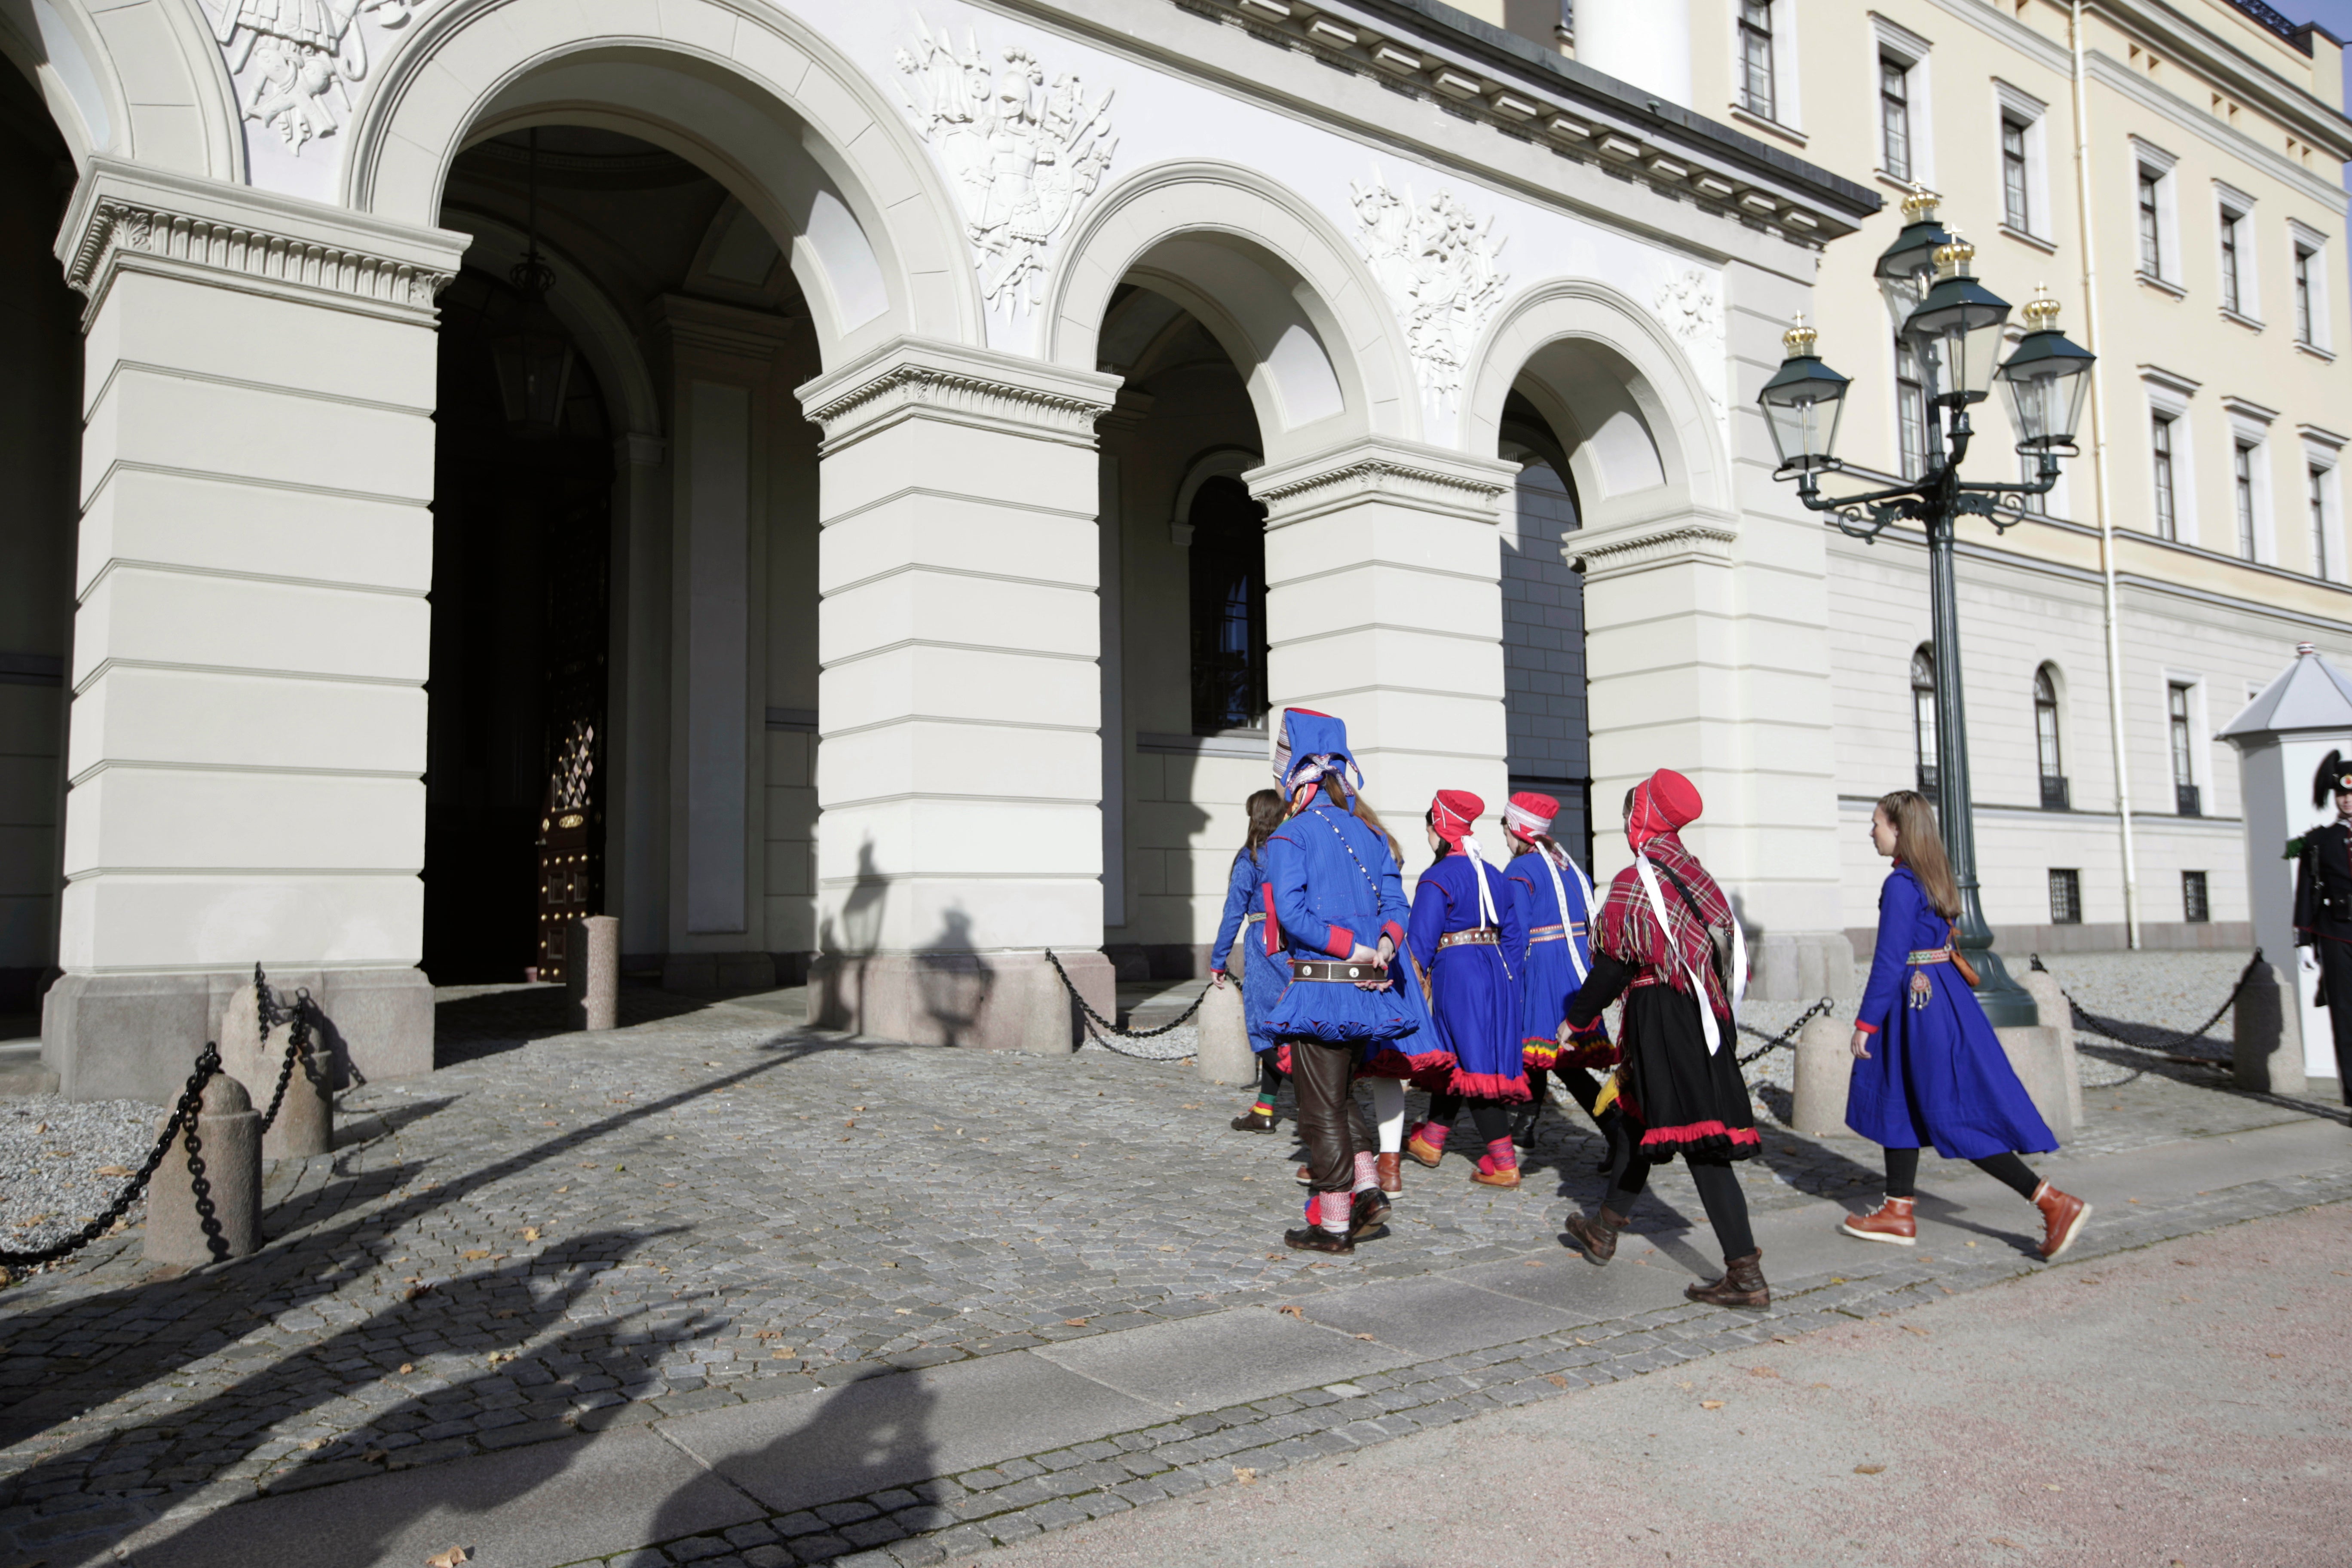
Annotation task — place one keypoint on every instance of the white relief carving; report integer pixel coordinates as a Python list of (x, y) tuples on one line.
[(1023, 155), (1687, 304), (297, 62), (1436, 264)]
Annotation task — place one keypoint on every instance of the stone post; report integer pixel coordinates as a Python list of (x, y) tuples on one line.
[(592, 979), (959, 761), (229, 1132), (1824, 1069), (250, 645), (305, 1120), (2266, 1056), (1224, 1055), (2057, 1015), (2044, 1068)]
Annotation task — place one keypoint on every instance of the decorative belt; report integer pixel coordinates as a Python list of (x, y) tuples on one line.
[(1486, 934), (1556, 934), (1931, 955), (1253, 916), (1320, 969)]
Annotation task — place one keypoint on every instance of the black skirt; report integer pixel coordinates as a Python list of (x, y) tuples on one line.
[(1682, 1100)]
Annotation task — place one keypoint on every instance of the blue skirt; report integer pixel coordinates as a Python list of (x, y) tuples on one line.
[(1341, 1012), (1936, 1077), (1263, 975), (1477, 1009)]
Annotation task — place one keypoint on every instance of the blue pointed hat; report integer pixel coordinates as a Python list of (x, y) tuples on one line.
[(1307, 733)]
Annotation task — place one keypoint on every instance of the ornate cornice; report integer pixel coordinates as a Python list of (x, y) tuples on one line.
[(1426, 477), (909, 378), (127, 216), (1605, 552)]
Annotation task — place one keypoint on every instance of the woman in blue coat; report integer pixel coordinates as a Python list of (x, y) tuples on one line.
[(1261, 975), (1559, 957), (1339, 910), (1469, 944), (1927, 1067)]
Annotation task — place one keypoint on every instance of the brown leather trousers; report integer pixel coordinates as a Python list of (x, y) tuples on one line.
[(1330, 1122)]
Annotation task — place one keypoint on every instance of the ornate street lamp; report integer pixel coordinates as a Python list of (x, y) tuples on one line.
[(533, 358), (1955, 326)]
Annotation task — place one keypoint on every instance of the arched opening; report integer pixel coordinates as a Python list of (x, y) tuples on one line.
[(2049, 738), (40, 464), (1547, 717), (1924, 740)]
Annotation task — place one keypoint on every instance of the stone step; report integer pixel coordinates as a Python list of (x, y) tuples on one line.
[(21, 1072)]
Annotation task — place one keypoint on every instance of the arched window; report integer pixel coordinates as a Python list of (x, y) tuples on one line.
[(2045, 740), (1923, 719), (1228, 608)]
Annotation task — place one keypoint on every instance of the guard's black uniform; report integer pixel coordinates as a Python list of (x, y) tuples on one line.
[(2323, 914)]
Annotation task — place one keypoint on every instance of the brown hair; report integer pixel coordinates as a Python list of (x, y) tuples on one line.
[(1267, 812), (1919, 846), (1363, 812)]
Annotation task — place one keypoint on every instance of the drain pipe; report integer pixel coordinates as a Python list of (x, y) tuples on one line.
[(2099, 467)]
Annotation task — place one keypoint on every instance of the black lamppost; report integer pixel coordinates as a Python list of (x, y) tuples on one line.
[(1955, 326)]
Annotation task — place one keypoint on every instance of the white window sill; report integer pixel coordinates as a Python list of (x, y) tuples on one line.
[(2325, 355), (1787, 134), (2162, 285), (2249, 322), (2026, 236), (1904, 186)]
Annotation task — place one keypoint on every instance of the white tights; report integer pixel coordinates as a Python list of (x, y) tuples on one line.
[(1387, 1112)]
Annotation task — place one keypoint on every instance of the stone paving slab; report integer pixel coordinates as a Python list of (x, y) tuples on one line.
[(1228, 1358)]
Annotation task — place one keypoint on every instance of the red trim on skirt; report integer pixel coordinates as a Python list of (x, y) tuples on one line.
[(1390, 1062), (1696, 1134), (1511, 1091)]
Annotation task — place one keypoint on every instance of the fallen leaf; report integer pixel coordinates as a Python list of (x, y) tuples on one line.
[(406, 1367), (1762, 1372), (910, 1311), (2275, 1356), (374, 1457), (1556, 1380), (783, 1354), (1291, 1312), (1168, 1249), (2047, 1486), (1367, 1337), (1194, 1106), (531, 1233), (560, 1191), (475, 1254), (449, 1559), (1243, 1473), (1074, 1322), (851, 1123), (1710, 1405), (1837, 1279), (1967, 1244), (1868, 1470), (1531, 1263), (2004, 1539), (314, 1445), (1914, 1329), (114, 1170)]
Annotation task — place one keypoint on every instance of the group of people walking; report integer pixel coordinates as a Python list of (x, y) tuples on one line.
[(1493, 977)]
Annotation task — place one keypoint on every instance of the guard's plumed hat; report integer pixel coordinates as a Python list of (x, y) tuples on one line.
[(2333, 777)]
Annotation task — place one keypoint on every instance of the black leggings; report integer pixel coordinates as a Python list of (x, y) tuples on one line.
[(1492, 1118), (1718, 1192), (1582, 1085), (1269, 1076), (1903, 1173)]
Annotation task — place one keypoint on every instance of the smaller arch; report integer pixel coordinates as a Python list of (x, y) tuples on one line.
[(1925, 741), (1615, 385), (1217, 462), (1270, 278), (185, 116), (2050, 735)]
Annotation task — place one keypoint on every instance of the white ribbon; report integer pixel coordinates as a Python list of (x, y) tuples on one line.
[(1486, 915), (1559, 896), (1698, 986)]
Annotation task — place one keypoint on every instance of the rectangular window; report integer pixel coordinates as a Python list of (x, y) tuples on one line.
[(2241, 484), (2316, 481), (2167, 519), (2151, 223), (2302, 297), (2233, 295), (1910, 409), (2194, 906), (2016, 201), (1756, 57), (2182, 747), (1895, 115), (2065, 898)]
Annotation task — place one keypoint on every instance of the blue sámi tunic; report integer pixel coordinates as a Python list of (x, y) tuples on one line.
[(1335, 885), (1244, 921), (1936, 1074), (1560, 955), (1474, 1004)]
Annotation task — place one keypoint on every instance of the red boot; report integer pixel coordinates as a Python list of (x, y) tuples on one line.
[(2062, 1220), (1891, 1222)]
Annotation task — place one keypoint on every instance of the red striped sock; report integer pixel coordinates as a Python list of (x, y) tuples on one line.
[(1368, 1174), (1339, 1212)]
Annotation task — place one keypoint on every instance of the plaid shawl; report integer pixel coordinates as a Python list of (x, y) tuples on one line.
[(1628, 931)]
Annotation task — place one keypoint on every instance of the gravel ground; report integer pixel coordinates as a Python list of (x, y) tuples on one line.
[(52, 1153)]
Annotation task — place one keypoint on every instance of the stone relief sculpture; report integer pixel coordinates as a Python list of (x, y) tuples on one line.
[(297, 61), (1023, 155), (1435, 261), (1687, 304)]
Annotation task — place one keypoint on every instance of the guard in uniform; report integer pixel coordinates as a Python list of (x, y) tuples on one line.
[(2323, 906)]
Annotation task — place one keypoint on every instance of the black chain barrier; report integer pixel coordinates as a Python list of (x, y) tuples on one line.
[(1775, 1042), (1108, 1029), (2137, 1036), (184, 1118), (270, 1012)]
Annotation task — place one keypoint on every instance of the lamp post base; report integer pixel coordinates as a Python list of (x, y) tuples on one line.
[(2006, 1003)]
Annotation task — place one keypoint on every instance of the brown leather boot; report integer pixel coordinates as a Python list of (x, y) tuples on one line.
[(1422, 1149), (1597, 1235), (1253, 1120), (1390, 1168), (2062, 1220), (1742, 1284), (1891, 1222)]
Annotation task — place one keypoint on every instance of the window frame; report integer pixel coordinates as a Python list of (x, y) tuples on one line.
[(1745, 34), (2069, 913), (2196, 899), (2323, 455), (2244, 461), (2030, 114), (2238, 255), (2308, 250), (2184, 721), (2156, 212), (1926, 742), (2163, 477), (2170, 395), (1908, 52), (2049, 736), (2254, 537)]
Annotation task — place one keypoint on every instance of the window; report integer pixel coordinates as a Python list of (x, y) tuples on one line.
[(2315, 480), (1923, 719), (1910, 409), (1228, 569), (1756, 57), (2065, 898), (2167, 518), (2233, 296), (2016, 195), (2045, 740), (2194, 906), (2241, 487), (2303, 332), (2152, 222), (2184, 775), (1895, 115)]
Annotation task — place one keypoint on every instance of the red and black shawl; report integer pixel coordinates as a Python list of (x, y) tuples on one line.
[(1628, 931)]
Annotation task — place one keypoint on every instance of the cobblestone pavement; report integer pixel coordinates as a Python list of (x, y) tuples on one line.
[(562, 1233)]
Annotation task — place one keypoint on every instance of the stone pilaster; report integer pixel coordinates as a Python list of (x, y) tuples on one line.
[(246, 740), (959, 759)]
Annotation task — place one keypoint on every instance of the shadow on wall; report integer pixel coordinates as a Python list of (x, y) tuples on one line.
[(937, 994)]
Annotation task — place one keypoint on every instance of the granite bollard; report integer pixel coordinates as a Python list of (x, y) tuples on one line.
[(592, 973), (1223, 1055), (1825, 1070), (229, 1132), (306, 1119)]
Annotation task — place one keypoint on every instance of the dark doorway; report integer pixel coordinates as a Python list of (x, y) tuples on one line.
[(521, 588), (1228, 608)]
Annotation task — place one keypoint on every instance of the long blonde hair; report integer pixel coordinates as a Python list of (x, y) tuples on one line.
[(1919, 846)]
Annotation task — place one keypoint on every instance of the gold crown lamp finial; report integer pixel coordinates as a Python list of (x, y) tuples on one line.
[(1952, 259), (2040, 311), (1798, 340), (1919, 205)]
